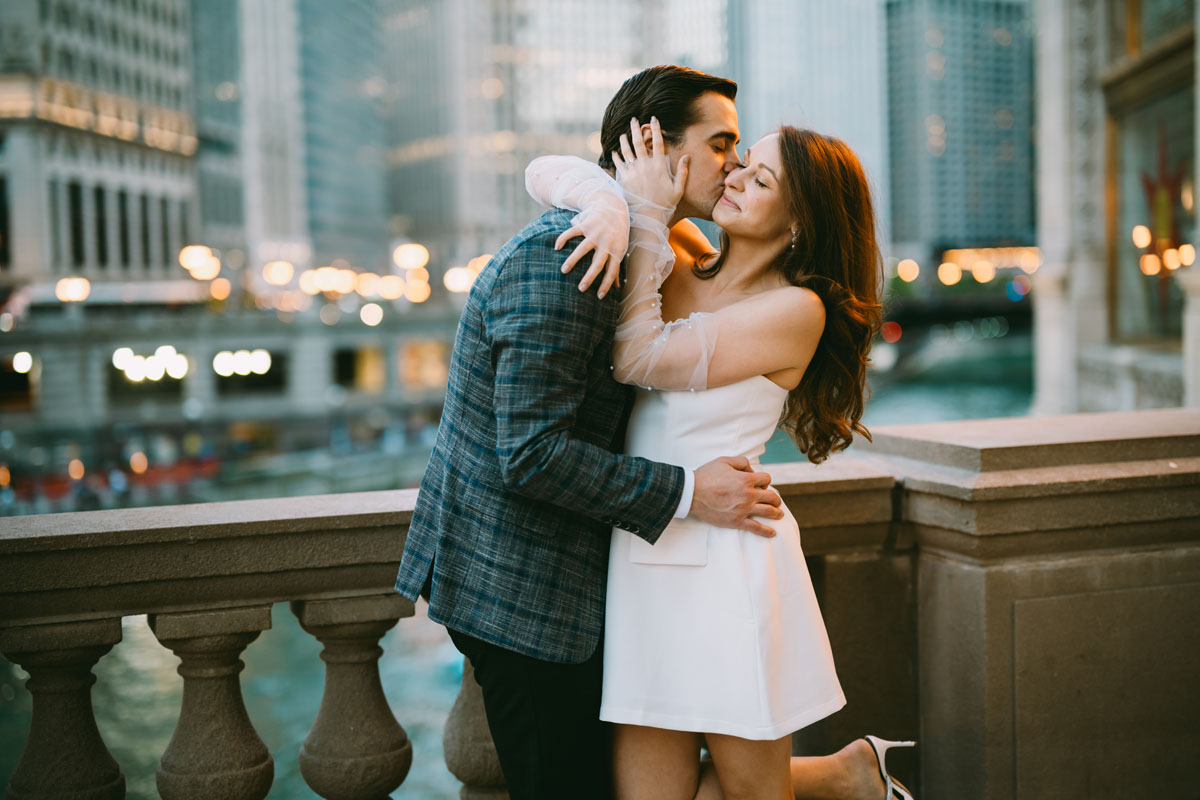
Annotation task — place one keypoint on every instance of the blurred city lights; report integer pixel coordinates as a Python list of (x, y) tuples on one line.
[(5, 475), (1171, 258), (458, 279), (1149, 264), (177, 366), (371, 314), (260, 361), (410, 256), (890, 332), (949, 273), (908, 270), (243, 364), (417, 291), (278, 273), (1141, 236), (72, 290), (391, 287), (138, 462), (122, 357), (418, 274), (194, 256), (155, 368), (6, 322), (75, 469), (220, 288), (223, 363), (308, 282), (22, 362), (330, 314), (1018, 287), (367, 284), (207, 269), (1187, 255), (343, 281), (983, 271)]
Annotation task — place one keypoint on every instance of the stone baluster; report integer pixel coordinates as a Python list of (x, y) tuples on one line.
[(468, 746), (355, 750), (64, 755), (215, 751)]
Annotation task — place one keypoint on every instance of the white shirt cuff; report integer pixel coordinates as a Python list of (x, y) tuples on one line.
[(689, 488)]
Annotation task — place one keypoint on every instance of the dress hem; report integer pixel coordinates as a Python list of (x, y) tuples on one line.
[(671, 722)]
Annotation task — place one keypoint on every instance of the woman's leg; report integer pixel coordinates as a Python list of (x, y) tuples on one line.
[(655, 764), (752, 770), (849, 774)]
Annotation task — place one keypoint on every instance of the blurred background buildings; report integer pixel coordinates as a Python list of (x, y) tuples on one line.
[(235, 234)]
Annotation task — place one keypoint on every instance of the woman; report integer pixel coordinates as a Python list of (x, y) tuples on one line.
[(719, 639)]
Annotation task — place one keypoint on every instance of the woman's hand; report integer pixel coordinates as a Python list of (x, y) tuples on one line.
[(648, 175), (604, 226)]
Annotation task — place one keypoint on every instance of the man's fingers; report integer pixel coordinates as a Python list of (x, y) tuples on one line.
[(566, 236), (760, 480), (757, 528), (767, 511), (770, 497), (737, 462)]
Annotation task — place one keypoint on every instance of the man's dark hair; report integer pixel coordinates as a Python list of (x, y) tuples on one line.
[(668, 92)]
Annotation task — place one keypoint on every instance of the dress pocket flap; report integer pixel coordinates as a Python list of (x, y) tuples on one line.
[(684, 543)]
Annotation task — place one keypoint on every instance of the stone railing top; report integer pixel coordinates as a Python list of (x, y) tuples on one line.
[(197, 521), (98, 564), (1014, 443)]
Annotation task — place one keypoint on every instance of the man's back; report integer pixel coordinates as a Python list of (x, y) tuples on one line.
[(511, 527)]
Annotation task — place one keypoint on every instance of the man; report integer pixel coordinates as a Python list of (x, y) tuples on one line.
[(509, 538)]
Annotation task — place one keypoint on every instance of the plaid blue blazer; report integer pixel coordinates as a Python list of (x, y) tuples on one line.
[(511, 527)]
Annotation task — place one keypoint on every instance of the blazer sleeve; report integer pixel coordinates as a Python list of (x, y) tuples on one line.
[(543, 333)]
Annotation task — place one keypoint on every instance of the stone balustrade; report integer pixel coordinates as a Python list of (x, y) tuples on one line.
[(1016, 594)]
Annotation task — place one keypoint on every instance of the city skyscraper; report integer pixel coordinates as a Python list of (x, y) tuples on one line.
[(478, 90), (960, 100), (815, 65)]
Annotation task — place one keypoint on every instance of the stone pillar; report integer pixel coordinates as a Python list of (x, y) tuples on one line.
[(1189, 279), (468, 746), (1057, 557), (355, 749), (215, 753), (64, 755), (1053, 331)]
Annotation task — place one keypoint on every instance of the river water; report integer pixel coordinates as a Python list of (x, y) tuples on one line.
[(137, 694)]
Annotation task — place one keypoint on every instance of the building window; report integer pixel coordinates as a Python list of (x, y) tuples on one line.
[(1156, 213), (360, 370), (18, 383), (75, 212), (5, 227), (424, 364), (99, 198), (164, 219), (1149, 92), (144, 213), (123, 226), (55, 222)]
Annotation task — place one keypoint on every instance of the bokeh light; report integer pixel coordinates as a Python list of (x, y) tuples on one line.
[(371, 314), (410, 256), (949, 273), (908, 270), (1141, 236)]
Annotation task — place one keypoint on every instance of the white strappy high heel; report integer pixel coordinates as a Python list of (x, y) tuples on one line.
[(895, 789)]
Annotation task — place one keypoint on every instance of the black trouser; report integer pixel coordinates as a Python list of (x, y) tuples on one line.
[(545, 721)]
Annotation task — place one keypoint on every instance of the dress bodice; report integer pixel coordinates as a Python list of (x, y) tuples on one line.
[(691, 428)]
